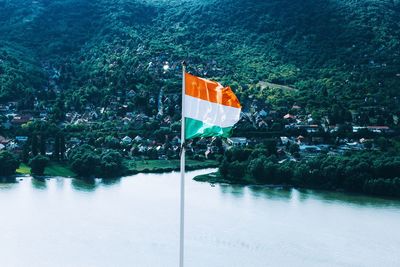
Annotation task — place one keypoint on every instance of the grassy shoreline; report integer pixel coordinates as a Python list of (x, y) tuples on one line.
[(52, 170), (216, 178), (161, 166), (55, 169)]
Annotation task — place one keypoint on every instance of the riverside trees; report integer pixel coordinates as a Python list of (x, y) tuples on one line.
[(8, 163), (86, 161), (364, 172), (38, 164)]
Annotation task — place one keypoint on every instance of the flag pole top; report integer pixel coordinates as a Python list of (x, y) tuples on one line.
[(184, 64)]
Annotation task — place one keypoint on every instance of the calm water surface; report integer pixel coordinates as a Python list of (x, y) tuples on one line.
[(134, 221)]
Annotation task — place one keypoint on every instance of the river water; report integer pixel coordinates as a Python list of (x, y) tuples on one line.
[(134, 221)]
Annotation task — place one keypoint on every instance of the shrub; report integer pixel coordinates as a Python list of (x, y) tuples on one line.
[(38, 164)]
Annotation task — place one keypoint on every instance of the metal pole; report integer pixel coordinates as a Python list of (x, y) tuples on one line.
[(182, 214)]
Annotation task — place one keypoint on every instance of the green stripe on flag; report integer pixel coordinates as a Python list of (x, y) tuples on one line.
[(195, 128)]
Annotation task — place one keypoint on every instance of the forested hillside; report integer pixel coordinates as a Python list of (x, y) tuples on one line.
[(330, 51)]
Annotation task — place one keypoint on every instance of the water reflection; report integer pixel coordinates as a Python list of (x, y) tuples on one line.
[(110, 182), (271, 193), (84, 185), (8, 180), (235, 190), (39, 183), (347, 198), (7, 183)]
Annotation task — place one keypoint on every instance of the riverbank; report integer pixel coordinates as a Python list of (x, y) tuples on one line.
[(216, 178), (52, 170), (131, 167), (160, 166)]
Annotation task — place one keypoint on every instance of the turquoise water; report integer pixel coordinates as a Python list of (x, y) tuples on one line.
[(134, 221)]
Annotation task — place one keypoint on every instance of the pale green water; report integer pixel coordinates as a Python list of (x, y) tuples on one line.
[(134, 221)]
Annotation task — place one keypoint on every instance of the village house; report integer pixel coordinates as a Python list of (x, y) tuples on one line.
[(238, 141), (284, 140), (309, 149), (131, 94), (378, 129), (21, 119), (126, 120), (126, 140), (21, 139), (290, 117), (4, 140), (138, 139), (176, 140)]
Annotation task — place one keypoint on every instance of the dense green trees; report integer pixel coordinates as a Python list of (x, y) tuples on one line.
[(86, 161), (35, 144), (364, 172), (8, 163), (383, 187), (111, 163), (328, 50)]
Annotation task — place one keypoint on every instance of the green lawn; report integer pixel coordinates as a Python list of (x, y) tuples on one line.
[(23, 169), (53, 169), (57, 169), (161, 165)]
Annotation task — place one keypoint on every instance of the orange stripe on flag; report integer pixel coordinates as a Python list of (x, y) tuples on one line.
[(210, 91)]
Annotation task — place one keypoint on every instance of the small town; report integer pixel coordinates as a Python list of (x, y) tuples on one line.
[(137, 135)]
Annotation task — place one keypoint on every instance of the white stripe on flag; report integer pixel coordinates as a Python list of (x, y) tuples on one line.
[(210, 112)]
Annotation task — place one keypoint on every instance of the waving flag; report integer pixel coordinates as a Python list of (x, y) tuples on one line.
[(210, 108)]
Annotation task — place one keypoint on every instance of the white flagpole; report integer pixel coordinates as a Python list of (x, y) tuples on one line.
[(182, 215)]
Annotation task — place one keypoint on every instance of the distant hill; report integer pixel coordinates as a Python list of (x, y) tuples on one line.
[(333, 51)]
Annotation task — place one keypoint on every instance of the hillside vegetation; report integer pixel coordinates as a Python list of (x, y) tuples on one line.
[(331, 51)]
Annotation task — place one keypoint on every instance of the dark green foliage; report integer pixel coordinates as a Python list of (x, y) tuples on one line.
[(388, 187), (56, 151), (84, 160), (331, 52), (111, 163), (294, 148), (34, 144), (62, 146), (8, 163), (20, 72), (364, 172), (42, 144), (238, 154), (162, 134), (38, 164), (224, 168), (237, 170), (111, 142), (25, 153), (256, 167)]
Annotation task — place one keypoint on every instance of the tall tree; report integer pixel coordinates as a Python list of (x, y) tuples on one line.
[(42, 144), (38, 164), (62, 146), (34, 144), (8, 163), (56, 150)]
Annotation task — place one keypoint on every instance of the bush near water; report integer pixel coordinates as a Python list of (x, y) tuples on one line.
[(363, 172)]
